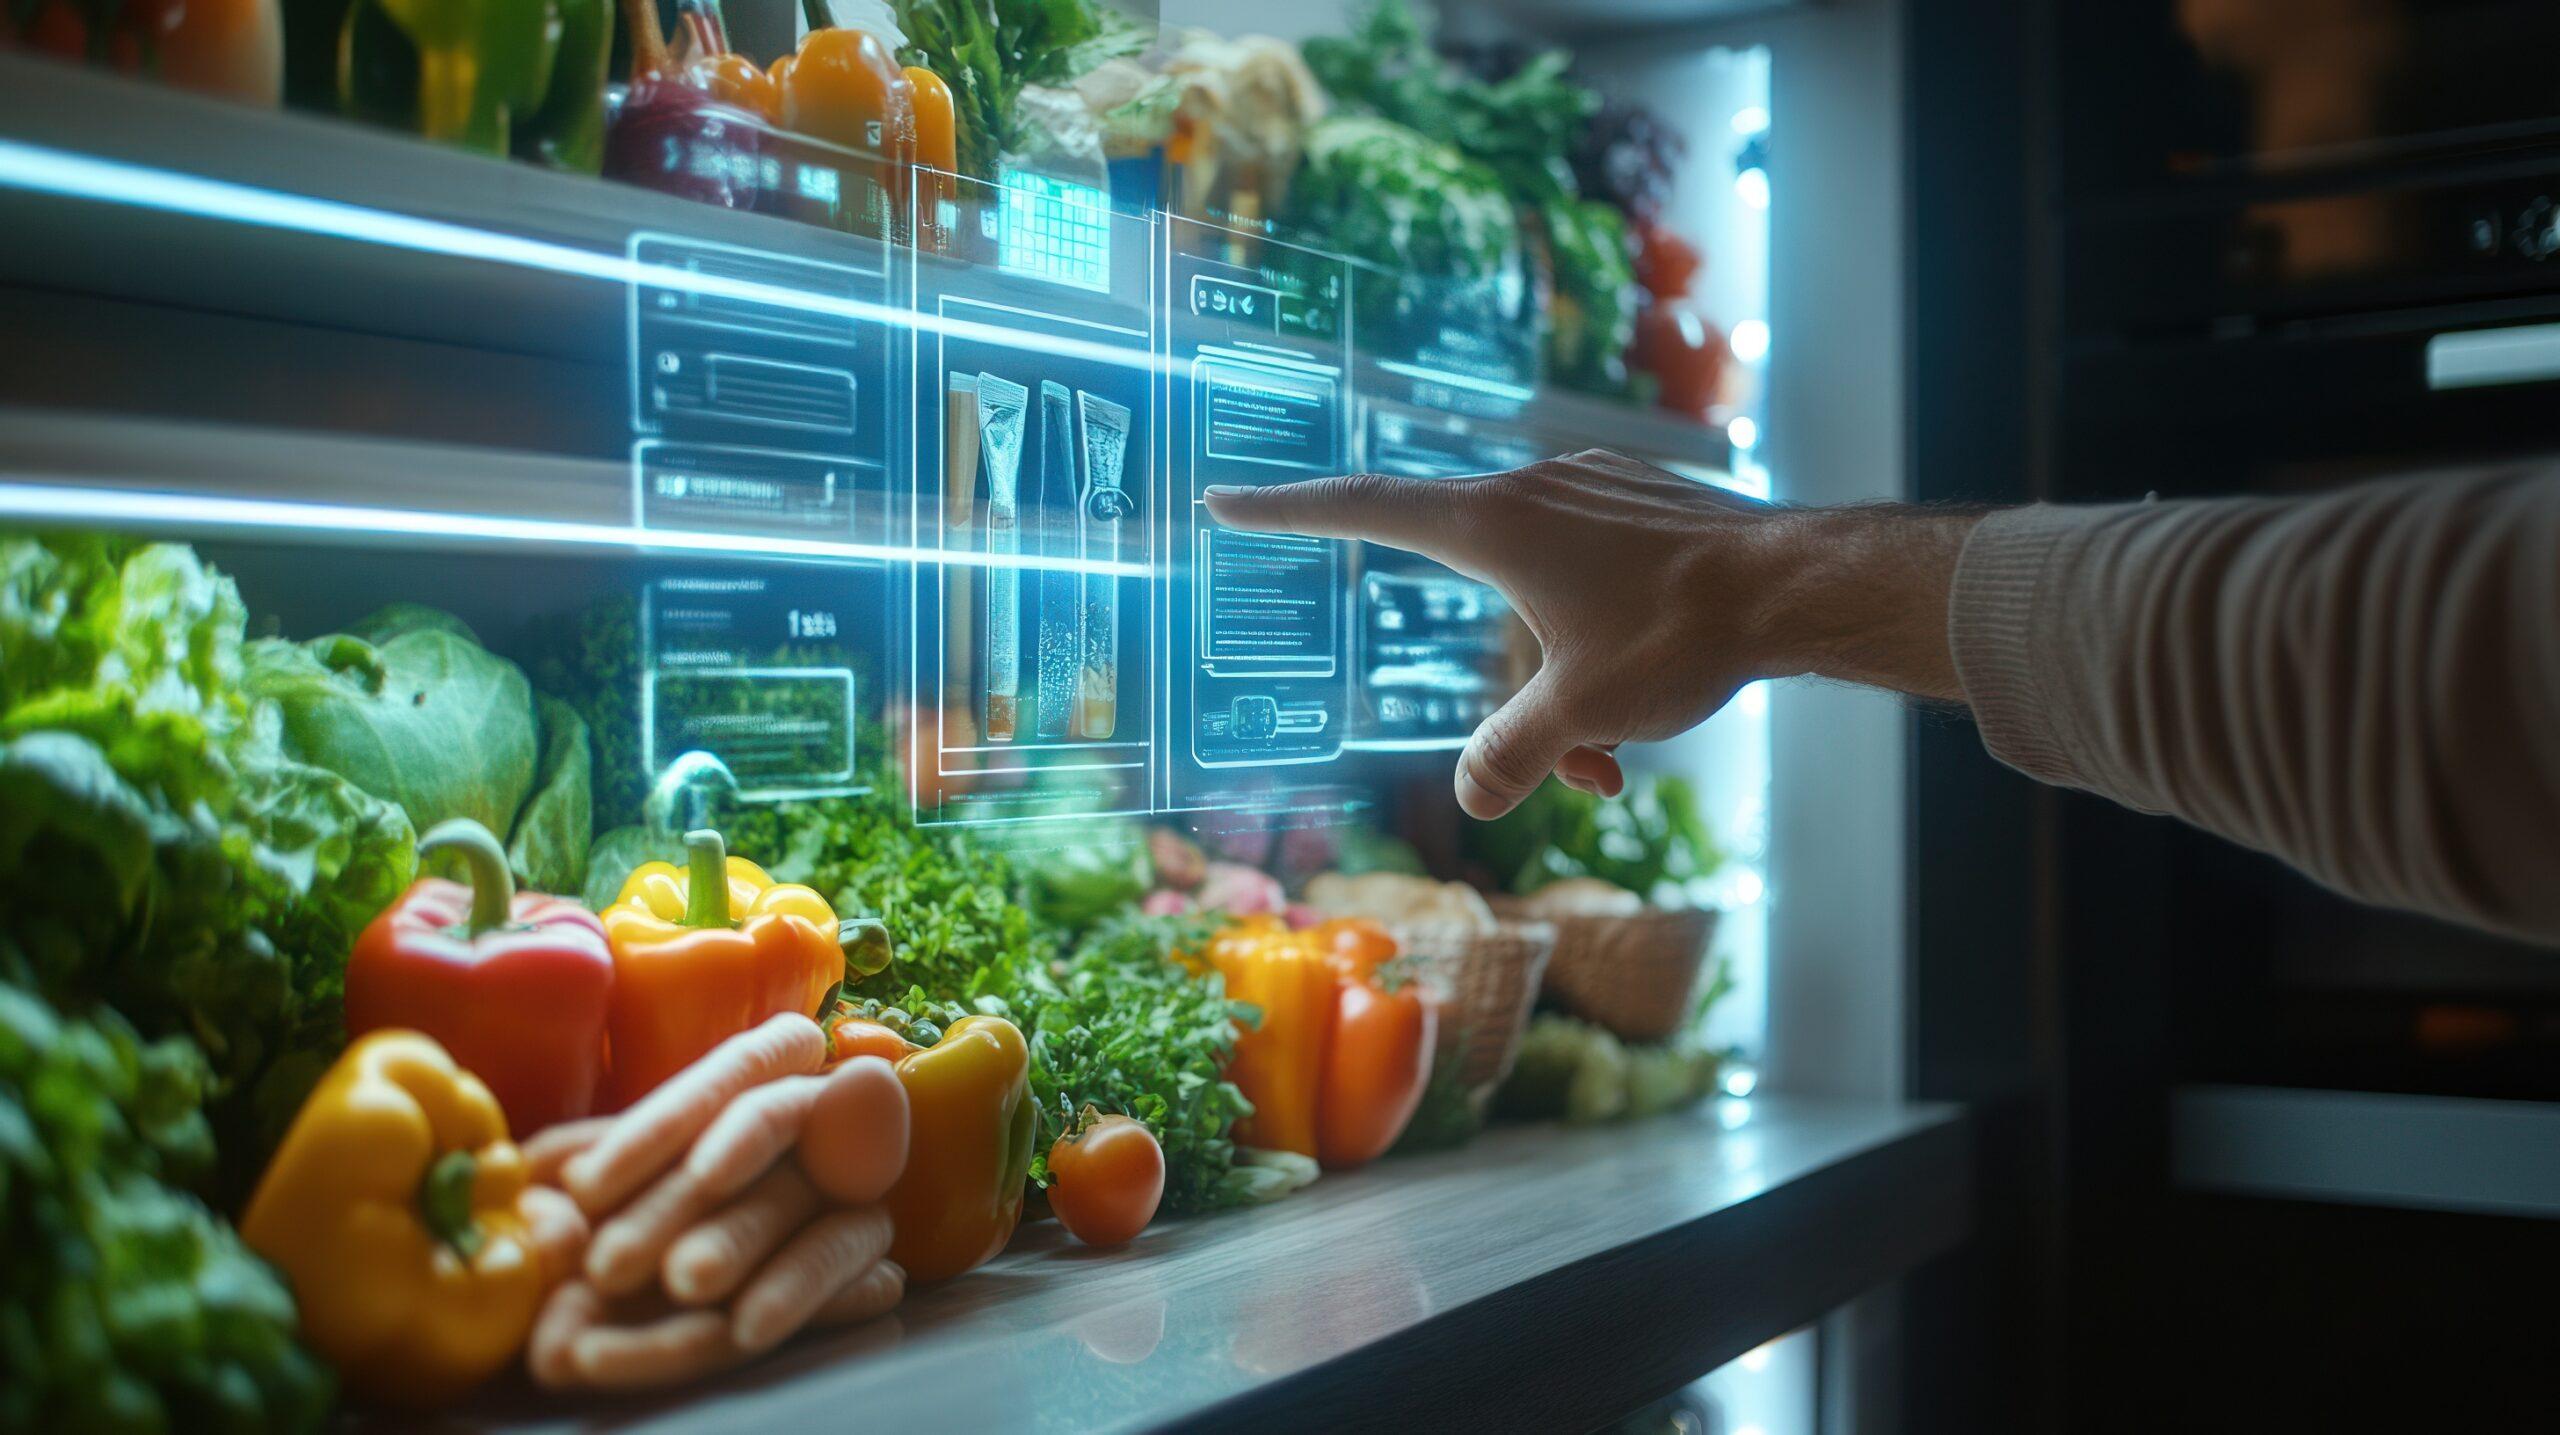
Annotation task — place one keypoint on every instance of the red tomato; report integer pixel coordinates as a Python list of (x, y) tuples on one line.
[(1105, 1180), (1665, 262), (1677, 345)]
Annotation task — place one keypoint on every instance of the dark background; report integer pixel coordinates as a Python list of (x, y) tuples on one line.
[(2108, 299)]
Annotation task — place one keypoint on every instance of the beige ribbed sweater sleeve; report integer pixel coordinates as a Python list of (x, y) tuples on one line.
[(2364, 683)]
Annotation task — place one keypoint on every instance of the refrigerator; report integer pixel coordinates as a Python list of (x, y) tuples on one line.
[(791, 481)]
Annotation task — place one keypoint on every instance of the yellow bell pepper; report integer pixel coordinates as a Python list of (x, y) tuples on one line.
[(970, 1127), (1278, 1063), (391, 1208), (704, 952)]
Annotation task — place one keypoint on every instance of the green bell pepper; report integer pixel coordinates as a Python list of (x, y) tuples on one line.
[(567, 132), (521, 77)]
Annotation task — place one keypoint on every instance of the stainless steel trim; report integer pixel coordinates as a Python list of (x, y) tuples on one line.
[(2478, 358), (2368, 1148)]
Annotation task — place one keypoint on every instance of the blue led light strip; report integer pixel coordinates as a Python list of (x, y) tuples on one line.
[(59, 172), (70, 503)]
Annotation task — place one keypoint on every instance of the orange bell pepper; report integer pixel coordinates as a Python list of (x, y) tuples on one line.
[(1279, 1063), (1343, 1052), (702, 954), (733, 79), (844, 87), (937, 148), (970, 1130)]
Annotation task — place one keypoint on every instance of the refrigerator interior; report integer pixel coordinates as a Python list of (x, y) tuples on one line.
[(860, 506)]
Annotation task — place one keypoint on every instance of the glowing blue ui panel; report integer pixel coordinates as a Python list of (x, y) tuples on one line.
[(1031, 614), (759, 415), (1054, 385), (1257, 348), (1435, 653)]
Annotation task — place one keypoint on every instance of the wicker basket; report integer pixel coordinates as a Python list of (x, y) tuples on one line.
[(1637, 975), (1487, 979)]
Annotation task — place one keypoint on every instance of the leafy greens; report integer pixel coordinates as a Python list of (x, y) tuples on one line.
[(1522, 130), (987, 50), (125, 1304), (1650, 840), (160, 851), (1114, 1021)]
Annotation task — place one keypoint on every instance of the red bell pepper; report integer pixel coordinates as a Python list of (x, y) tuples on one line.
[(516, 985)]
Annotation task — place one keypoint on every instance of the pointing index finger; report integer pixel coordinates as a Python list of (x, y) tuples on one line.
[(1410, 513)]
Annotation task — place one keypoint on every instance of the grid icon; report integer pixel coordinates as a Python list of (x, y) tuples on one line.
[(1055, 230)]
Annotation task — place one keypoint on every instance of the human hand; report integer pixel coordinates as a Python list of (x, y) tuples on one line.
[(711, 1242), (1653, 598)]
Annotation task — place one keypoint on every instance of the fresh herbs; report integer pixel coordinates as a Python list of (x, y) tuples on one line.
[(1103, 872), (949, 902), (987, 50), (1118, 1020), (1125, 1025)]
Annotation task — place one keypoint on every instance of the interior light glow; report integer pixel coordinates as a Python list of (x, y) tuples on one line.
[(1752, 187), (1750, 341), (1746, 888), (115, 505), (1756, 1359), (1742, 433), (1404, 744), (1750, 120), (52, 171)]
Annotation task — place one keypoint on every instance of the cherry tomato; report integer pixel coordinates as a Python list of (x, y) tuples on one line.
[(1105, 1180)]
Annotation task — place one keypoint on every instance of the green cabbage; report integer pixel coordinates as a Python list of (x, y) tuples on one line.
[(410, 707), (549, 848)]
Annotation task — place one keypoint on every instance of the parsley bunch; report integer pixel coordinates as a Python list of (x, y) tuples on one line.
[(1125, 1025)]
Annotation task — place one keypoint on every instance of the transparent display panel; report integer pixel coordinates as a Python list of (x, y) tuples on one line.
[(759, 387), (725, 157), (765, 670), (1033, 438), (759, 397), (1257, 348), (1435, 653)]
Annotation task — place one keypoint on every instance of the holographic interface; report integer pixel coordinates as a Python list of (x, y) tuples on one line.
[(929, 505), (1033, 668), (1258, 373)]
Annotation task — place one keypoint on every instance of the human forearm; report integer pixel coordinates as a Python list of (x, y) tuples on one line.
[(1861, 595), (2366, 684)]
